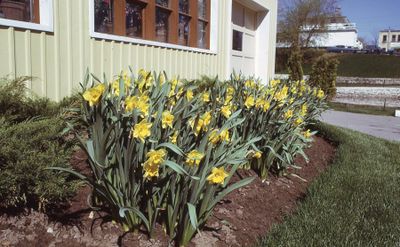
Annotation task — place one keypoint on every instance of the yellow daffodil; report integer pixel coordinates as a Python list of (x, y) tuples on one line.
[(150, 169), (167, 119), (224, 136), (194, 158), (320, 94), (298, 121), (142, 130), (143, 104), (198, 127), (217, 175), (93, 95), (174, 137), (115, 87), (289, 114), (274, 83), (307, 134), (206, 119), (127, 79), (304, 110), (226, 111), (154, 159), (156, 156), (214, 137), (131, 103), (266, 106), (282, 95), (206, 97), (249, 102), (230, 91), (259, 103), (189, 95), (257, 155), (250, 83)]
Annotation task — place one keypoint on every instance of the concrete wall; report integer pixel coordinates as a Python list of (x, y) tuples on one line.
[(368, 81)]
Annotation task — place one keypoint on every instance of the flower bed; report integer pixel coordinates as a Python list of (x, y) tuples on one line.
[(164, 151)]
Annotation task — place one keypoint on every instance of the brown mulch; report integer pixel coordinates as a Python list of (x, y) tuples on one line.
[(239, 220)]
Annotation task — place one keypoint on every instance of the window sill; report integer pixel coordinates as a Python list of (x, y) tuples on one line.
[(149, 43), (25, 25)]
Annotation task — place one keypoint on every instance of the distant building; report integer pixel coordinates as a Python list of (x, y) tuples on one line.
[(339, 32), (389, 39)]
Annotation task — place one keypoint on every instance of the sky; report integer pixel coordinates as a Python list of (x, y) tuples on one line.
[(371, 16)]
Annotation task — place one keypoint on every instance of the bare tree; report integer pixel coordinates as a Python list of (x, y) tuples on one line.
[(301, 20)]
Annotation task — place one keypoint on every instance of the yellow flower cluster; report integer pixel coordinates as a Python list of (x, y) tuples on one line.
[(214, 137), (138, 102), (202, 123), (154, 159)]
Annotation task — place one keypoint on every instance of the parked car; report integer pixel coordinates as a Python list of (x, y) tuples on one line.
[(373, 49), (342, 49)]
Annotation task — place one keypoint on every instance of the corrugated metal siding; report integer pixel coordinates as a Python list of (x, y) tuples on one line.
[(58, 60)]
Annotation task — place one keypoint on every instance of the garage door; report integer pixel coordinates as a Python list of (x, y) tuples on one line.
[(243, 39)]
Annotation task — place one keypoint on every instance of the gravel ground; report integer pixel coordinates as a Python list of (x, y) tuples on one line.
[(377, 96)]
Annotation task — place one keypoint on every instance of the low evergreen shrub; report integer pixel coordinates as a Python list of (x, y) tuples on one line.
[(323, 75), (26, 149)]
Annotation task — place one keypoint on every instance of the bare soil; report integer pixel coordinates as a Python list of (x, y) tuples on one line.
[(239, 220)]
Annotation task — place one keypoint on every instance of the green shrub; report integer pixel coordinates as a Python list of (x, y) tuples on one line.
[(26, 149), (323, 75), (294, 65), (17, 103)]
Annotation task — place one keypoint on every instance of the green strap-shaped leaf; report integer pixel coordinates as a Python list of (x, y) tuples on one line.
[(192, 215), (77, 174), (174, 148), (178, 169), (228, 190), (137, 212)]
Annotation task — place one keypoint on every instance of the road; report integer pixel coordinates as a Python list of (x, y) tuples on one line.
[(380, 126)]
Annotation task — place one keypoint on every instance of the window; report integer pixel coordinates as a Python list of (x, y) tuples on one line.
[(20, 10), (27, 14), (384, 40), (398, 38), (181, 22), (237, 41), (393, 38)]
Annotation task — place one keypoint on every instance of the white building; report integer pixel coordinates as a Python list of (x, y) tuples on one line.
[(339, 32), (389, 39)]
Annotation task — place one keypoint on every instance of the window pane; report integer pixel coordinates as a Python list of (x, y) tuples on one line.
[(21, 10), (103, 19), (202, 5), (202, 34), (134, 19), (237, 41), (183, 30), (162, 17), (184, 6), (163, 3)]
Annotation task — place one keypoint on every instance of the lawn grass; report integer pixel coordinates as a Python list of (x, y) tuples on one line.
[(363, 65), (365, 109), (354, 203)]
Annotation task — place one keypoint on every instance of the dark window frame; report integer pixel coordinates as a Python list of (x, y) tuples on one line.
[(149, 21)]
